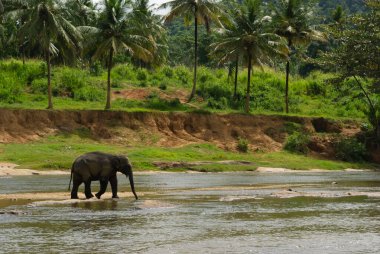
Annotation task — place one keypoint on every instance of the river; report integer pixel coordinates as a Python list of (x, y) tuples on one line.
[(199, 213)]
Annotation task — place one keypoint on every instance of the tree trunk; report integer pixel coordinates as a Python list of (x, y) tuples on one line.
[(195, 55), (247, 98), (50, 103), (376, 121), (236, 76), (287, 81), (108, 103)]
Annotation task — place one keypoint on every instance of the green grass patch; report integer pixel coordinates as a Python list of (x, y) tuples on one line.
[(59, 151), (25, 86)]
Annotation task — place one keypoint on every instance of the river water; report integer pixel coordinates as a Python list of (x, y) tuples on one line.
[(199, 213)]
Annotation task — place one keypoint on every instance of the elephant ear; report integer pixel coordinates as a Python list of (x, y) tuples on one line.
[(116, 162)]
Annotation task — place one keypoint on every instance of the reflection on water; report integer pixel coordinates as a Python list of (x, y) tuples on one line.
[(199, 213)]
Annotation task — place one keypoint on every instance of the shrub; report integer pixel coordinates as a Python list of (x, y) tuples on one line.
[(10, 89), (291, 127), (142, 75), (183, 74), (297, 143), (167, 71), (242, 145), (315, 88), (350, 149), (89, 94), (96, 68), (155, 102), (39, 86), (68, 80), (163, 86), (222, 103)]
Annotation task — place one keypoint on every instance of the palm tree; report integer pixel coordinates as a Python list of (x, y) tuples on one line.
[(46, 27), (150, 25), (115, 32), (248, 37), (292, 22), (203, 12)]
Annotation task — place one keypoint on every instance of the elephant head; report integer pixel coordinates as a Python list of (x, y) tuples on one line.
[(122, 164)]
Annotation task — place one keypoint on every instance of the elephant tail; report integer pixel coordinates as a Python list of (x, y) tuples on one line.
[(71, 177)]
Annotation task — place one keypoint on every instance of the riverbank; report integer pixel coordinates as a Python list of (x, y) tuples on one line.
[(51, 140), (10, 169)]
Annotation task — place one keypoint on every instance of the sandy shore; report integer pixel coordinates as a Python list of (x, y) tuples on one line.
[(10, 169)]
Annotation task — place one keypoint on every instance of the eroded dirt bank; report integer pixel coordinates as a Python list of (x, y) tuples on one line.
[(265, 133)]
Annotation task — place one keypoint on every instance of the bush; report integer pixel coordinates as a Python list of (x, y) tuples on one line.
[(163, 86), (242, 145), (291, 127), (89, 94), (155, 102), (297, 143), (96, 68), (222, 103), (39, 86), (142, 75), (350, 149), (314, 88), (10, 89), (183, 74), (68, 80), (167, 71)]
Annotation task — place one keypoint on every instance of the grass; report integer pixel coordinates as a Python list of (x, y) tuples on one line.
[(24, 86), (59, 151)]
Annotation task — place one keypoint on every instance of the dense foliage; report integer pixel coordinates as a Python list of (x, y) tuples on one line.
[(135, 46)]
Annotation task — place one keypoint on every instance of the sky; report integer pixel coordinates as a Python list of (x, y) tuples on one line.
[(156, 3)]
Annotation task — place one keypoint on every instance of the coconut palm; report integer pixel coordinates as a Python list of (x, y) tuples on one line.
[(150, 25), (203, 12), (45, 26), (249, 38), (115, 32), (292, 22), (82, 12)]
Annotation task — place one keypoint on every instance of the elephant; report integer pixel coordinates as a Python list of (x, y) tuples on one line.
[(98, 166)]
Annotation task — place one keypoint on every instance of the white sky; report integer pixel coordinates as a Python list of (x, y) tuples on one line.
[(155, 3)]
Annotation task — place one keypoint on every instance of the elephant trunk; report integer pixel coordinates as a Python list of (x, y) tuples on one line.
[(132, 184)]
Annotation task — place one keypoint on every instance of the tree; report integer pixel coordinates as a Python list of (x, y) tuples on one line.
[(82, 12), (203, 12), (248, 36), (357, 57), (116, 32), (291, 21), (46, 27), (150, 25)]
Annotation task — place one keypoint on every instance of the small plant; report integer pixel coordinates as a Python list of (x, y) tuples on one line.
[(163, 86), (96, 68), (142, 75), (242, 145), (298, 143), (350, 149)]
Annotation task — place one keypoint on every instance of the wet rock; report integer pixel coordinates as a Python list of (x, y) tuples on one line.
[(13, 212)]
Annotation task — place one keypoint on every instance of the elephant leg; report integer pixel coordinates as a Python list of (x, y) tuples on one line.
[(113, 182), (87, 189), (74, 191), (103, 188)]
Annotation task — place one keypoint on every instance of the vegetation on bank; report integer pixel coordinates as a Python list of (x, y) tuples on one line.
[(58, 152), (24, 86), (90, 54)]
